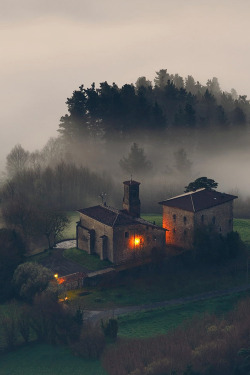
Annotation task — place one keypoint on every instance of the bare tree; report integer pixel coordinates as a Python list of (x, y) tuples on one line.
[(16, 160)]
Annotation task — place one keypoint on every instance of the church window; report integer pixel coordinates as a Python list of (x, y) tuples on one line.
[(184, 219), (126, 235), (174, 218), (213, 220), (174, 230)]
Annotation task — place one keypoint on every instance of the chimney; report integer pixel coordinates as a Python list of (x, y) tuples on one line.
[(131, 202)]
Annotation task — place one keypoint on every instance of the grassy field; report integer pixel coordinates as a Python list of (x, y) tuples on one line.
[(46, 360), (242, 226), (92, 262), (160, 321)]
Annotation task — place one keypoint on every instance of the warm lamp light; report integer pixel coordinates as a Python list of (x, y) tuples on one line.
[(137, 241), (56, 276)]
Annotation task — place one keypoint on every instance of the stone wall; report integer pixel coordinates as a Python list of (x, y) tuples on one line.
[(99, 230), (136, 241), (180, 226), (218, 218)]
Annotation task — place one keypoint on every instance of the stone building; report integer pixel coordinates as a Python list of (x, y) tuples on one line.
[(119, 235), (184, 214)]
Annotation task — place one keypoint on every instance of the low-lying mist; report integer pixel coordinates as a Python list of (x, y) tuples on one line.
[(166, 166)]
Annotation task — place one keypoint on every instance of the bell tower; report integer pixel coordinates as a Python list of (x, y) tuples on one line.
[(131, 202)]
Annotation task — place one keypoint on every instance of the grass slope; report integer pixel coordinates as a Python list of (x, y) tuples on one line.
[(41, 359), (242, 226), (92, 262), (160, 321)]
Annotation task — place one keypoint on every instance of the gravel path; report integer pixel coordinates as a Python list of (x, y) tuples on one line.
[(95, 315), (65, 244)]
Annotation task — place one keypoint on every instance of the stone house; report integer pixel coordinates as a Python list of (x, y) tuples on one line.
[(119, 235), (184, 214)]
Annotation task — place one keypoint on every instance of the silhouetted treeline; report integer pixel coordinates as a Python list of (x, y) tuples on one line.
[(113, 112), (62, 187)]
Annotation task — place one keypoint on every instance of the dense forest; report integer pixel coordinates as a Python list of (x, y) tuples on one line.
[(172, 102)]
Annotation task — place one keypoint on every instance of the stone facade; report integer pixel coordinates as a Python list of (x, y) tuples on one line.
[(95, 237), (180, 227), (183, 215), (119, 235), (136, 241)]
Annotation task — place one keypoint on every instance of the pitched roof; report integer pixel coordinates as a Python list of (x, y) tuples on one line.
[(198, 200), (112, 217)]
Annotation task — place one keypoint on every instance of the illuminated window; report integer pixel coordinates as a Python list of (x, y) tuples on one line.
[(126, 235)]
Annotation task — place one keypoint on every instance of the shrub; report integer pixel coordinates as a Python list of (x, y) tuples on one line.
[(51, 322), (211, 247), (110, 328), (30, 279), (23, 324), (91, 343), (9, 329)]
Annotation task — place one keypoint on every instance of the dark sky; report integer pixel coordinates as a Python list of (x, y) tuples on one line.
[(49, 48)]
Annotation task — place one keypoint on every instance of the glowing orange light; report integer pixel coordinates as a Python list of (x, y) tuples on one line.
[(60, 280), (137, 241)]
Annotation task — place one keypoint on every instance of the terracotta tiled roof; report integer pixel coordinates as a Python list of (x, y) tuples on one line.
[(112, 217), (198, 200)]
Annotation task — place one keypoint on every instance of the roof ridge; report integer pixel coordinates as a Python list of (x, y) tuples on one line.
[(192, 202), (115, 219), (185, 194)]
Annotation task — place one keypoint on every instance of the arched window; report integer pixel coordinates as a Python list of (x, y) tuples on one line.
[(213, 220), (184, 219), (174, 218)]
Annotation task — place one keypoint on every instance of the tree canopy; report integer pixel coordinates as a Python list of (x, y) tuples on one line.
[(113, 112), (30, 279), (201, 182), (136, 162)]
